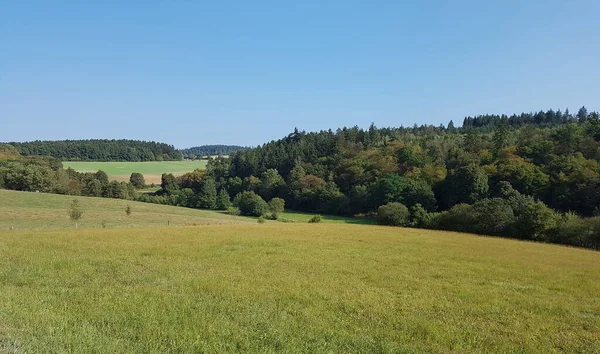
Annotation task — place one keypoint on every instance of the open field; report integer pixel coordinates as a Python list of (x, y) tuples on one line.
[(28, 210), (152, 171), (297, 216), (293, 288)]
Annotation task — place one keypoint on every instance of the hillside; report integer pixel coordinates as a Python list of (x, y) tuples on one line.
[(293, 288), (30, 210)]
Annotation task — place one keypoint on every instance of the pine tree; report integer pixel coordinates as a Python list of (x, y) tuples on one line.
[(451, 127), (208, 194), (223, 201), (582, 114), (500, 138)]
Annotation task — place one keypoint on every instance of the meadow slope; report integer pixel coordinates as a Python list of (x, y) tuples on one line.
[(28, 210), (293, 288)]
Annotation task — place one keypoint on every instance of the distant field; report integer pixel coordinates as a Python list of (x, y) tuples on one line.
[(293, 288), (297, 216), (152, 171), (28, 210)]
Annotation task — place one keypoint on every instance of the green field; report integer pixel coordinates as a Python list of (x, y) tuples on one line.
[(280, 287), (152, 171), (28, 210), (296, 216)]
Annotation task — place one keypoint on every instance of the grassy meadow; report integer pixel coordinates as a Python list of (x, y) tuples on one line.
[(152, 170), (227, 284), (29, 210), (293, 288)]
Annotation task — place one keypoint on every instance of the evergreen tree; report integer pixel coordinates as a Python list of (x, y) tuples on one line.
[(223, 201), (582, 114), (500, 138), (208, 194)]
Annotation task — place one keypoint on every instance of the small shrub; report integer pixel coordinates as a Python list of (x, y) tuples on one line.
[(271, 216), (75, 212), (315, 219), (393, 214), (276, 206), (419, 217), (103, 223), (128, 210), (261, 220), (251, 204)]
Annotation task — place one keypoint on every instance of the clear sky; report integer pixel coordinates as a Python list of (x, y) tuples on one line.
[(246, 72)]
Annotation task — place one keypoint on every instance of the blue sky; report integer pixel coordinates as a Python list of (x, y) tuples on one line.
[(246, 72)]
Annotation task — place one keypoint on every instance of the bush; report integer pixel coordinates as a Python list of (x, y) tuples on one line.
[(261, 220), (493, 217), (251, 204), (315, 219), (486, 217), (272, 216), (419, 217), (137, 180), (393, 214), (573, 230), (276, 206)]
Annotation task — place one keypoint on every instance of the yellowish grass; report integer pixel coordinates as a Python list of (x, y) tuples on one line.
[(293, 288), (28, 210), (148, 178)]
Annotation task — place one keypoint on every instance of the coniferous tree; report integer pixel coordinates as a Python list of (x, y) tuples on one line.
[(208, 194), (223, 201)]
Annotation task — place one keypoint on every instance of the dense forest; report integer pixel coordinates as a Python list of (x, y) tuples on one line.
[(520, 176), (211, 150), (100, 150)]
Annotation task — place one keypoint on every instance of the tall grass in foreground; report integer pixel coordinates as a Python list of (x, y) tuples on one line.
[(293, 288)]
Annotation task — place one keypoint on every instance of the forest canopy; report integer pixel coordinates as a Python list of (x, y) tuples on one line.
[(211, 150), (100, 150)]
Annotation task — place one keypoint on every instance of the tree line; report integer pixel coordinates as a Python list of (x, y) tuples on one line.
[(211, 150), (534, 180), (549, 117), (100, 150)]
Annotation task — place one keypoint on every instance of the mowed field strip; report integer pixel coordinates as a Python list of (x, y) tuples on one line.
[(152, 170), (293, 288)]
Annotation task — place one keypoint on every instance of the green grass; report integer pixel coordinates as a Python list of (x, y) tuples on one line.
[(121, 171), (229, 284), (297, 216), (27, 210), (293, 288)]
